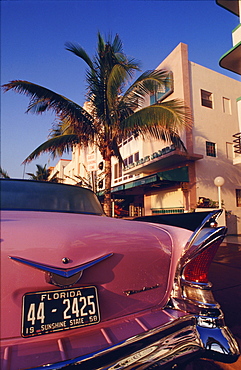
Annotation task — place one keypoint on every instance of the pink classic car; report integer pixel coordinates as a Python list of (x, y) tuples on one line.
[(84, 291)]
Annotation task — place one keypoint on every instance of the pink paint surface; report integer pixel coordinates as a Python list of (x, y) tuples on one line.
[(144, 257)]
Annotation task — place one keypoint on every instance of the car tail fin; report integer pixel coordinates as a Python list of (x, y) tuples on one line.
[(197, 269), (192, 289)]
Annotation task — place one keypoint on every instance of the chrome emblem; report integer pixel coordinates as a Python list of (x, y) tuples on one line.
[(59, 276), (144, 289), (65, 260)]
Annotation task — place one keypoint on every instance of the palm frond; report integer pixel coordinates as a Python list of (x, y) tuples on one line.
[(43, 174), (100, 44), (42, 99), (79, 52), (116, 79), (161, 121), (55, 146), (62, 127), (145, 84), (117, 45), (3, 174)]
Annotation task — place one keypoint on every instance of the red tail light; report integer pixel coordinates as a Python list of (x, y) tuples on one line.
[(197, 269)]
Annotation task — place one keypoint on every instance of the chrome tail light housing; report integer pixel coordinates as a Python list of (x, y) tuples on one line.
[(192, 290)]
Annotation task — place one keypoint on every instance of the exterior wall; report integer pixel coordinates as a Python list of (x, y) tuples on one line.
[(71, 169), (215, 125), (173, 199), (239, 111), (177, 62), (234, 65), (236, 37), (237, 156), (59, 169)]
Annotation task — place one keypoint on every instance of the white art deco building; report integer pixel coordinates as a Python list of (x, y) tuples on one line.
[(157, 178)]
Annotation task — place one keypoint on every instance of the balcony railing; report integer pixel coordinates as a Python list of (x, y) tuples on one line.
[(161, 211), (237, 143), (159, 153)]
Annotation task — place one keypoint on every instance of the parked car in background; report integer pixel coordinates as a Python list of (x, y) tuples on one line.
[(79, 288)]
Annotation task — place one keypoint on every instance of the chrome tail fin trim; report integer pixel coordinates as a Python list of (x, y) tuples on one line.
[(192, 295)]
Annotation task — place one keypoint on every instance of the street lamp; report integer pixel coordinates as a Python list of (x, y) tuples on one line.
[(219, 181)]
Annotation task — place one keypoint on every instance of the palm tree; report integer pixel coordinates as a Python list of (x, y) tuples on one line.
[(43, 174), (114, 107), (3, 174)]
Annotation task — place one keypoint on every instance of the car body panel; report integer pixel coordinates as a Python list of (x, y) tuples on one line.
[(62, 346), (120, 279)]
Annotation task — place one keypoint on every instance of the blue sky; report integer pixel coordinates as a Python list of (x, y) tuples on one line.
[(33, 34)]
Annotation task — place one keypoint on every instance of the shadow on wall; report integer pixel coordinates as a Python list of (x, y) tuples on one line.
[(232, 223), (221, 167)]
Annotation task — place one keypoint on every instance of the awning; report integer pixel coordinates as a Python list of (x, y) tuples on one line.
[(142, 181), (232, 60), (177, 175), (117, 188)]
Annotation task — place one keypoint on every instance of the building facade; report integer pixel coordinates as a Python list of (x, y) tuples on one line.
[(157, 178), (231, 60)]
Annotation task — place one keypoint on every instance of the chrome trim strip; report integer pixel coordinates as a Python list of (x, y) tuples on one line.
[(202, 237), (58, 271), (207, 220), (165, 345), (194, 284), (217, 339), (144, 289), (203, 240), (162, 344), (190, 296)]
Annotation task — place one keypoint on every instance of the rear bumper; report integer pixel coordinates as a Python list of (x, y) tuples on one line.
[(164, 346)]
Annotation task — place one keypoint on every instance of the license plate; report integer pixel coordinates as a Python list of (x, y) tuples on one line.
[(56, 310)]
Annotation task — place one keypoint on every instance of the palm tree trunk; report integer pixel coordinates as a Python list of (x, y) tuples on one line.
[(107, 196)]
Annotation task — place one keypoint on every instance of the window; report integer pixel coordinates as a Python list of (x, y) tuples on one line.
[(163, 91), (229, 150), (210, 149), (136, 157), (226, 106), (129, 160), (117, 170), (207, 99), (238, 197), (130, 138)]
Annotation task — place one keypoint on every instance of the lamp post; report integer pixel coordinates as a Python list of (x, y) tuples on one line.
[(219, 181)]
